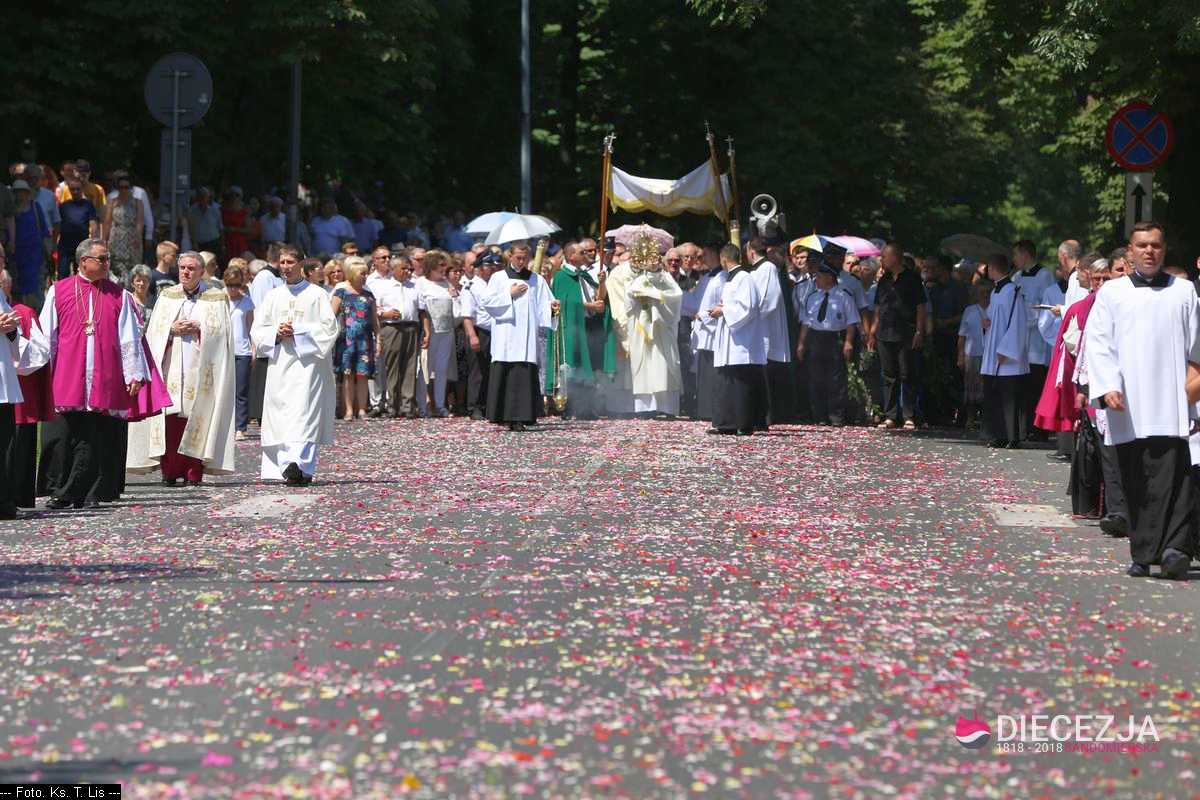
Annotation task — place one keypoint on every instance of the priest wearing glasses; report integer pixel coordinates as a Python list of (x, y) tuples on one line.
[(101, 378)]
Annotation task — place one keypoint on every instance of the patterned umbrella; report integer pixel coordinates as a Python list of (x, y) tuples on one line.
[(968, 245), (857, 245), (627, 233)]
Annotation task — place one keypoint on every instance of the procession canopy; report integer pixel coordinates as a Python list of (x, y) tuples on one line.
[(697, 192)]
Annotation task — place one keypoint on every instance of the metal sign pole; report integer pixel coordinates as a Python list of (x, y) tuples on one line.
[(176, 75), (526, 114), (294, 159), (1139, 199)]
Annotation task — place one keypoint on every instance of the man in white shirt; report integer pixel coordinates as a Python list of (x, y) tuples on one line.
[(1142, 334), (396, 297), (329, 229), (274, 222), (265, 278), (477, 324), (381, 270)]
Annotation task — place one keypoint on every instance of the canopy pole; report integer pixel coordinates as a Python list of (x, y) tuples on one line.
[(605, 182), (716, 170)]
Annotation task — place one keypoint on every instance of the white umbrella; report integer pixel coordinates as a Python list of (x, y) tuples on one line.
[(486, 223), (521, 227)]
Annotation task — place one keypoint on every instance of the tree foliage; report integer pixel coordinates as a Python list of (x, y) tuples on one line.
[(912, 119)]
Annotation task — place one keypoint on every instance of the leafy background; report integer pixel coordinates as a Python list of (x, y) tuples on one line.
[(911, 119)]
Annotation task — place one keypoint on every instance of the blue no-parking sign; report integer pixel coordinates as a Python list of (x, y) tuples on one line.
[(1138, 137)]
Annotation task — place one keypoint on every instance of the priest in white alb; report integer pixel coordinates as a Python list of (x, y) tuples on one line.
[(645, 303), (191, 341), (1142, 334), (739, 352), (296, 327), (520, 304)]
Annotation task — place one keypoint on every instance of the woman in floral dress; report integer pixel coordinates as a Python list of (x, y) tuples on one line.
[(123, 226), (355, 308)]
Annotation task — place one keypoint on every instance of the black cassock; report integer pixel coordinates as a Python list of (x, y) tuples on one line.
[(706, 375), (513, 393), (1156, 475), (739, 398), (1003, 412)]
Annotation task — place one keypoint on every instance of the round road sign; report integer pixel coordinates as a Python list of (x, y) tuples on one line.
[(195, 89), (1138, 137)]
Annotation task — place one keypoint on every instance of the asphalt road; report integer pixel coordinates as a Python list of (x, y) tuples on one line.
[(610, 609)]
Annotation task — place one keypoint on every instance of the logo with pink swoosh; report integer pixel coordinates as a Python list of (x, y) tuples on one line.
[(972, 733)]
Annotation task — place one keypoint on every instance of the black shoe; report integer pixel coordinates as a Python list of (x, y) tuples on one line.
[(306, 480), (90, 502), (441, 413), (376, 413), (997, 444), (192, 483), (519, 427), (292, 474), (1115, 525), (1062, 458), (170, 481), (747, 432), (477, 415), (719, 432), (1014, 445), (8, 511), (1137, 570), (1175, 564), (58, 503)]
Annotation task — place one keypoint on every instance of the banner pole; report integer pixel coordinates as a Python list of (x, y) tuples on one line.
[(735, 224)]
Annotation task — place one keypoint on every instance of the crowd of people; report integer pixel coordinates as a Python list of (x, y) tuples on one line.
[(132, 367)]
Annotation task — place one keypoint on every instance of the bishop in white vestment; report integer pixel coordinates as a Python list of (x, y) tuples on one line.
[(649, 301), (191, 341), (1142, 333), (296, 327)]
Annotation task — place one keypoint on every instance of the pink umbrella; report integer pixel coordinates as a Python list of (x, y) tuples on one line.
[(627, 233), (860, 247)]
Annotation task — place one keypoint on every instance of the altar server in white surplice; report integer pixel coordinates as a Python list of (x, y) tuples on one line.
[(520, 304), (739, 352), (1141, 335), (296, 327)]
